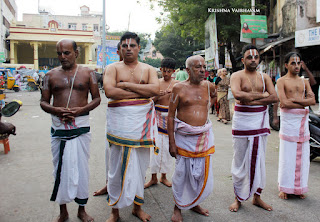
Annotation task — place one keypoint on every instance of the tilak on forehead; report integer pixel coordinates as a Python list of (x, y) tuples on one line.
[(295, 59), (253, 52), (128, 42)]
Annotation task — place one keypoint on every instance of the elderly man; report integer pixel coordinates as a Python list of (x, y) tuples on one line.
[(191, 139), (253, 91), (69, 86), (131, 126)]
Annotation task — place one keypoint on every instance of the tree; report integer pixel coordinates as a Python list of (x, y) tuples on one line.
[(190, 17), (153, 62)]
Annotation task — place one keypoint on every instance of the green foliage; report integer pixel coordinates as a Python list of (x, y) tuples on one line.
[(153, 62)]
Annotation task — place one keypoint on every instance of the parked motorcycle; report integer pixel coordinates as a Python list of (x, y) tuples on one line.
[(314, 127)]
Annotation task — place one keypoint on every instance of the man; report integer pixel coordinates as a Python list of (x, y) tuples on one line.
[(182, 75), (160, 158), (131, 126), (253, 91), (69, 85), (295, 96), (104, 190), (191, 139)]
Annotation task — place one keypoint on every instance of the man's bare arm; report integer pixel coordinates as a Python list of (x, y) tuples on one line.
[(145, 90), (284, 101), (271, 98), (242, 96), (110, 86), (309, 99), (213, 93), (309, 74), (174, 102)]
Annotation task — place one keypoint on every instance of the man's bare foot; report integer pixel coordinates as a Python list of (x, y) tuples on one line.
[(258, 202), (114, 217), (234, 207), (102, 191), (283, 195), (302, 196), (138, 212), (166, 182), (62, 218), (153, 181), (200, 210), (176, 216), (83, 216)]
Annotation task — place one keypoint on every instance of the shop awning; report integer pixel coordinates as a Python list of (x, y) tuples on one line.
[(270, 45)]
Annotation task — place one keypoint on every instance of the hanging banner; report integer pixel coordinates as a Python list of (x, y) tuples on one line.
[(211, 41), (254, 26), (228, 63), (111, 55)]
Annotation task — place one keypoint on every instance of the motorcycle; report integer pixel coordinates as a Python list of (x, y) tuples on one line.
[(314, 128)]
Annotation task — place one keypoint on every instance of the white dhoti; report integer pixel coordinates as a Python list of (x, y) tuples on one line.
[(294, 154), (160, 158), (250, 127), (70, 145), (192, 180), (131, 131)]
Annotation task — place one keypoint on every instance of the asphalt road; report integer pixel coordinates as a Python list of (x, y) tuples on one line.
[(26, 180)]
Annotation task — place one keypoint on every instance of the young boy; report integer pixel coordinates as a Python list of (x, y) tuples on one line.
[(160, 158), (295, 96)]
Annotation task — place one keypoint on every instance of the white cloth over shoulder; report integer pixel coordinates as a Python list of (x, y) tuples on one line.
[(70, 143), (294, 154), (250, 127), (192, 181)]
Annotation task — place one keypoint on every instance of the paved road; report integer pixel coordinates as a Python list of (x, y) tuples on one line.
[(26, 179)]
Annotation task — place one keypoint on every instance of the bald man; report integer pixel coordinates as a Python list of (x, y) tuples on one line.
[(191, 139), (69, 86)]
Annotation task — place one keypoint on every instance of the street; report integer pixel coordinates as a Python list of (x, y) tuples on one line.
[(27, 181)]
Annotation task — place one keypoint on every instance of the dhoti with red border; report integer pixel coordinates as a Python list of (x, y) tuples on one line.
[(250, 128), (294, 153)]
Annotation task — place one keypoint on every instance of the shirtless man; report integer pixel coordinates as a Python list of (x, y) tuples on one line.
[(130, 125), (161, 159), (295, 96), (191, 99), (69, 85), (104, 190), (253, 91)]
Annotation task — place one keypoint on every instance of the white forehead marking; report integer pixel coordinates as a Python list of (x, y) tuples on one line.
[(255, 52), (296, 60), (251, 52), (200, 62)]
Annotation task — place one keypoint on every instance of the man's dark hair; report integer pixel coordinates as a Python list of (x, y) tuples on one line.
[(74, 45), (130, 35), (291, 54), (168, 63), (248, 47), (181, 68), (118, 46)]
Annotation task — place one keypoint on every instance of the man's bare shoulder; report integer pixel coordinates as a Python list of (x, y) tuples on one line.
[(265, 76), (147, 66), (237, 74), (54, 71), (179, 85), (281, 79), (86, 69)]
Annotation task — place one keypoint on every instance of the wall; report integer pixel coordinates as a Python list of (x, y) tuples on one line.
[(7, 13)]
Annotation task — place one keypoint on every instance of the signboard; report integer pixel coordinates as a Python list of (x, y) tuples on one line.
[(2, 57), (227, 62), (318, 11), (111, 55), (211, 41), (307, 37), (254, 26)]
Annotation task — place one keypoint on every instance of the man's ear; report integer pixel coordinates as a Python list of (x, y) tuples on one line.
[(77, 53)]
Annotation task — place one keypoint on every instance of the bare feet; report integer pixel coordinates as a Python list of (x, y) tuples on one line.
[(83, 216), (102, 191), (302, 196), (283, 195), (153, 181), (138, 212), (234, 207), (114, 217), (165, 181), (200, 210), (63, 214), (176, 217), (62, 218), (258, 202)]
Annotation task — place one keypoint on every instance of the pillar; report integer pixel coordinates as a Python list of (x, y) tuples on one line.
[(35, 54), (13, 51)]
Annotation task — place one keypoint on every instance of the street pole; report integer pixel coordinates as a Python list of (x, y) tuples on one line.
[(253, 13), (104, 35)]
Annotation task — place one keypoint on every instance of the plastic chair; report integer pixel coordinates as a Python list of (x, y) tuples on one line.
[(5, 142)]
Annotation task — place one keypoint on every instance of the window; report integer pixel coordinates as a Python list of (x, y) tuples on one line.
[(96, 27), (84, 27), (72, 26), (5, 22)]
